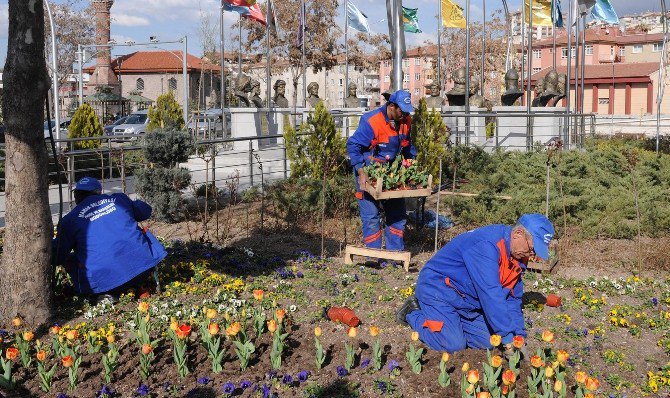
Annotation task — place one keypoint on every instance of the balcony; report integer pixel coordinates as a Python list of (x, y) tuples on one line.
[(608, 59)]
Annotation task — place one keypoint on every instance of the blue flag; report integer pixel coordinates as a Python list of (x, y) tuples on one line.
[(603, 11), (357, 19), (302, 24), (556, 15)]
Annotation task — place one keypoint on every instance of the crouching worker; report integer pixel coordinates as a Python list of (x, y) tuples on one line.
[(100, 244), (472, 287)]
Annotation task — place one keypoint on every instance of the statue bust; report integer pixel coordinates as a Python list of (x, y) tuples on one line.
[(256, 99), (242, 90), (550, 89), (560, 88), (313, 91), (279, 98), (456, 96), (539, 88), (433, 100), (352, 100), (512, 91), (476, 100)]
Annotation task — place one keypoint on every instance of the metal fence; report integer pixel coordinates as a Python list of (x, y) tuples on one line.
[(255, 161)]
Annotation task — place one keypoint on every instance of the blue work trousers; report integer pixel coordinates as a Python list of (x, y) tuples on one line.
[(394, 210)]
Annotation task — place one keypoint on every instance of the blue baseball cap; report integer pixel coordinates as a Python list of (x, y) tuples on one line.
[(403, 99), (88, 184), (542, 231)]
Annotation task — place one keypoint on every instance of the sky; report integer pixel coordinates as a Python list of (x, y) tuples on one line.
[(172, 19)]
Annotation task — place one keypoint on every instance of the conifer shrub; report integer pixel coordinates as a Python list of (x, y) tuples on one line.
[(85, 123), (167, 114), (429, 135), (161, 183)]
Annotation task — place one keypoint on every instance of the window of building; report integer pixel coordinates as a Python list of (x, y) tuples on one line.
[(588, 50), (386, 79), (637, 48), (417, 76), (603, 101), (405, 63), (657, 47), (535, 70), (564, 52), (416, 91), (612, 51), (417, 61), (172, 84), (537, 54), (405, 78), (341, 83), (622, 51), (386, 63), (139, 84)]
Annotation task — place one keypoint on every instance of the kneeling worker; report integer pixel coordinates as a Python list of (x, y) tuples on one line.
[(100, 244), (472, 288)]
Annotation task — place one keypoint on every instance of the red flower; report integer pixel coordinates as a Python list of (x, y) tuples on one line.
[(404, 143), (183, 331)]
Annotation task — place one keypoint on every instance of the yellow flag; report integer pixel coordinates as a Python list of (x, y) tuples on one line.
[(452, 15), (541, 12)]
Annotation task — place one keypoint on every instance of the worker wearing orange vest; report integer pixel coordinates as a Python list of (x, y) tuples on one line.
[(382, 134), (472, 287)]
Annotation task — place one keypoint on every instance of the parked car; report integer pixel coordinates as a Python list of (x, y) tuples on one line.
[(207, 124), (109, 129), (64, 124), (135, 123)]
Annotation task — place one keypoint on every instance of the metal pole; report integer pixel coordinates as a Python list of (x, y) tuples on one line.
[(523, 44), (239, 48), (80, 84), (223, 75), (54, 65), (661, 73), (397, 31), (529, 127), (346, 55), (439, 45), (577, 70), (553, 49), (467, 72), (583, 65), (303, 10), (185, 73), (508, 19), (437, 206), (481, 74), (568, 31), (267, 61)]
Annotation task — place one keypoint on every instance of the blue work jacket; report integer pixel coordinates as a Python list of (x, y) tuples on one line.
[(474, 273), (109, 246)]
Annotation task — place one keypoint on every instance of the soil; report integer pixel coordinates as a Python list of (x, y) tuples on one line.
[(239, 227)]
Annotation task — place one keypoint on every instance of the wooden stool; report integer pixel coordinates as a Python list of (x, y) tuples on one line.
[(352, 250)]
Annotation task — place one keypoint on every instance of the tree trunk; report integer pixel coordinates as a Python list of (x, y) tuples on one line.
[(25, 285)]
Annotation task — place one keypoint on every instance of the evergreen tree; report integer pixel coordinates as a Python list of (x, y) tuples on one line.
[(429, 135), (167, 114), (85, 123), (318, 148), (161, 183)]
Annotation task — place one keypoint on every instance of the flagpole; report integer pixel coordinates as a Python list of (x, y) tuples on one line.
[(346, 53), (509, 36), (303, 11), (439, 46), (223, 75), (577, 36), (467, 72), (396, 9), (239, 49), (529, 129), (523, 44), (661, 73), (553, 34), (267, 57), (583, 66), (568, 31), (481, 74)]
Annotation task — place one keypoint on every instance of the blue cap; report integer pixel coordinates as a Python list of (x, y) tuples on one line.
[(88, 184), (542, 231), (403, 99)]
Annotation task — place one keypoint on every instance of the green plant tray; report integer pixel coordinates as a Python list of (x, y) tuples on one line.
[(376, 190)]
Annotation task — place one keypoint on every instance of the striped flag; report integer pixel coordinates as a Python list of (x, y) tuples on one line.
[(410, 21), (556, 15), (357, 19), (253, 12), (452, 15), (271, 17), (604, 11)]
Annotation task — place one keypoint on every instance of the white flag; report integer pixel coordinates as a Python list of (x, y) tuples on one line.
[(357, 19)]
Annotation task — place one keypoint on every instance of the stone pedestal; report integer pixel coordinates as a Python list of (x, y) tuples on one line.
[(259, 122), (512, 128), (347, 119), (454, 119), (548, 123)]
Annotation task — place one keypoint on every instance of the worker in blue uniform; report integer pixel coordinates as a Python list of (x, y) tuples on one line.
[(100, 243), (472, 287), (382, 134)]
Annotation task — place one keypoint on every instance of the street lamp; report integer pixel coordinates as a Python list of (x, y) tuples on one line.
[(153, 40)]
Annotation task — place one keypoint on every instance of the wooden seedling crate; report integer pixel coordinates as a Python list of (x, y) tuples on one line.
[(377, 193), (546, 266), (353, 250)]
